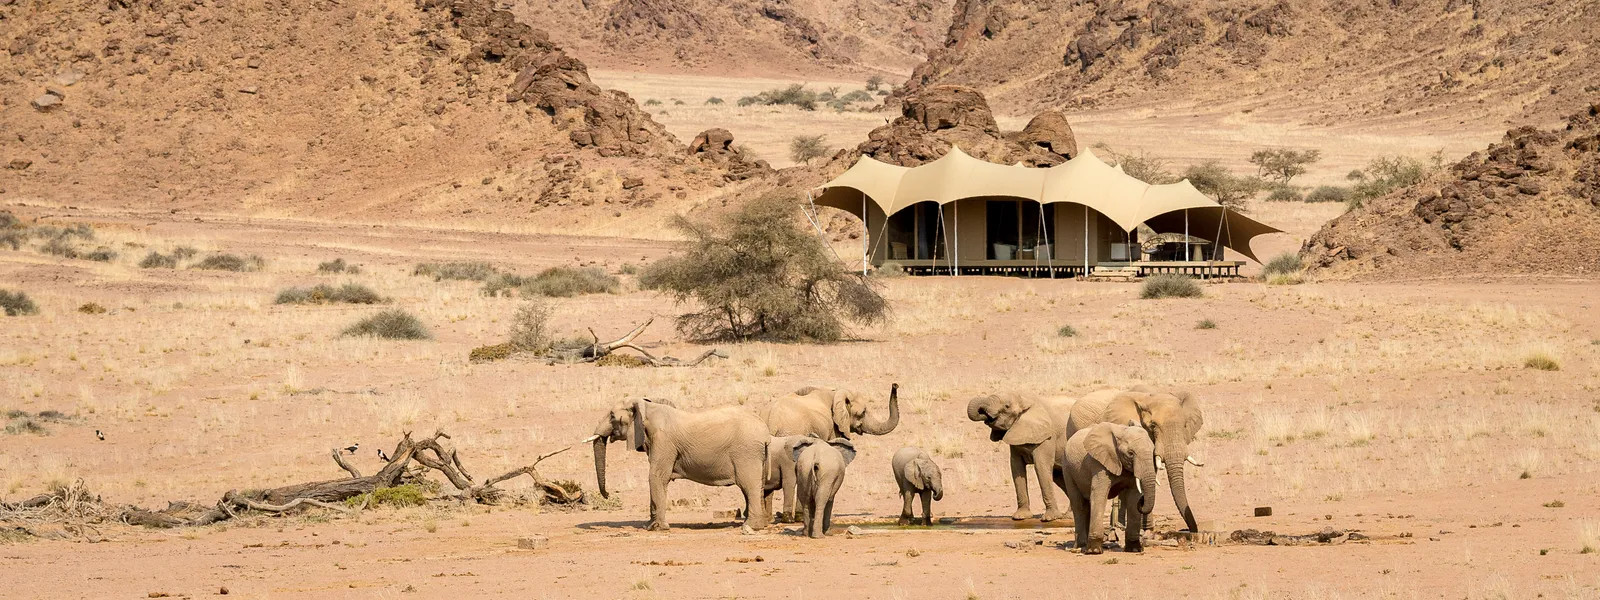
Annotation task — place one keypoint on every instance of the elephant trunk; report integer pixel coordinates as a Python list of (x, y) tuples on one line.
[(883, 426), (1145, 470), (1180, 495), (600, 465), (938, 486)]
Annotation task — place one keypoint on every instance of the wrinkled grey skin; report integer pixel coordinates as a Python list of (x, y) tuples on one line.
[(1172, 419), (1102, 462), (917, 476), (820, 469), (720, 447), (825, 413)]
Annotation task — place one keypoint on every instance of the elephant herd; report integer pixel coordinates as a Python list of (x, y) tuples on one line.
[(1109, 444)]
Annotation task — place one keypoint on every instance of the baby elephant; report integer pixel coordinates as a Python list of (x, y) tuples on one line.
[(916, 475), (1102, 462), (819, 470)]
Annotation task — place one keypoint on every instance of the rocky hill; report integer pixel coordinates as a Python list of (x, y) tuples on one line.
[(1423, 63), (1529, 204), (762, 38), (383, 110)]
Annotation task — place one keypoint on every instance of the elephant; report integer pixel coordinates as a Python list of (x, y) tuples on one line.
[(916, 475), (825, 413), (780, 470), (1172, 420), (1033, 427), (1104, 461), (819, 468), (720, 447)]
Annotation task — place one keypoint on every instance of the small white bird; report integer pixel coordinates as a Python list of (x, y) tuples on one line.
[(352, 448), (382, 456), (102, 436)]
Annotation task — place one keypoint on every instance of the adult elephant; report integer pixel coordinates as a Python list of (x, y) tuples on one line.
[(1173, 420), (823, 413), (1033, 427), (720, 447)]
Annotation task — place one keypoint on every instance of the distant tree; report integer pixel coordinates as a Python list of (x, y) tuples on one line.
[(1282, 164), (1228, 189), (758, 273), (803, 148), (1142, 166), (874, 82), (1385, 174)]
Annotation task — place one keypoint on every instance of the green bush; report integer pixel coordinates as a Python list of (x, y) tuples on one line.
[(795, 95), (157, 260), (1388, 173), (101, 254), (803, 148), (1288, 262), (17, 304), (349, 293), (1206, 324), (230, 262), (1170, 285), (758, 274), (393, 324), (1329, 193), (713, 100), (1284, 193), (399, 496), (456, 270), (1067, 331)]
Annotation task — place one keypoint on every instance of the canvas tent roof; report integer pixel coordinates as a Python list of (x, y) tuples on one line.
[(1085, 180)]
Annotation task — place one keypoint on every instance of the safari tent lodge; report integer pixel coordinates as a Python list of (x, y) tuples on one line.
[(960, 215)]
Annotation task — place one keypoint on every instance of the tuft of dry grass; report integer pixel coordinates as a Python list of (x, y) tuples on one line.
[(17, 304), (456, 270), (1589, 537), (393, 324), (230, 262), (1170, 285), (349, 293), (1541, 360)]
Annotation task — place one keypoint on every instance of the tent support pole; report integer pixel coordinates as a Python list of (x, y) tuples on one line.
[(1086, 241), (816, 223), (1044, 228), (955, 256), (1186, 251), (866, 234)]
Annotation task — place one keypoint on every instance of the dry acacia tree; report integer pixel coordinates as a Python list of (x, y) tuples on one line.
[(759, 274)]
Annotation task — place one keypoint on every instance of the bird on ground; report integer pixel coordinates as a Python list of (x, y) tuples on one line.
[(382, 456), (352, 448), (102, 436)]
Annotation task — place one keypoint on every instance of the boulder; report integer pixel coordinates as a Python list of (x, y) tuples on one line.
[(1050, 131), (715, 139), (948, 106)]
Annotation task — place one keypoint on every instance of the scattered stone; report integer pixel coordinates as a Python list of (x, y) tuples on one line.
[(629, 183), (854, 530), (533, 542), (1263, 511), (47, 102), (1013, 545), (18, 164), (68, 77), (249, 89), (254, 63)]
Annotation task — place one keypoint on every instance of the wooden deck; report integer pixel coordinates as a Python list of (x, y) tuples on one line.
[(1059, 269)]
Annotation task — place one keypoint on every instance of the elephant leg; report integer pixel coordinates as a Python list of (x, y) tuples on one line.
[(1019, 480), (660, 476), (1130, 541), (1080, 518), (927, 507), (1044, 466), (827, 517), (755, 513), (905, 508), (791, 497), (1097, 514)]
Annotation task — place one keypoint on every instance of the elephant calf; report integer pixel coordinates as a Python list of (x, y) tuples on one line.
[(916, 475), (819, 469), (1102, 462)]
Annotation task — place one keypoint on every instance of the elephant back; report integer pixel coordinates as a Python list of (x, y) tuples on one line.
[(805, 412), (1089, 410)]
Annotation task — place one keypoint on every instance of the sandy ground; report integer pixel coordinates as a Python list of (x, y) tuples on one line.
[(1401, 410), (1178, 133)]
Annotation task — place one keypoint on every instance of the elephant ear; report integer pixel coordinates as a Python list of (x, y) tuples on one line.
[(640, 444), (1031, 426), (662, 401), (1189, 407), (1127, 406), (845, 447), (842, 420), (800, 446), (1101, 445)]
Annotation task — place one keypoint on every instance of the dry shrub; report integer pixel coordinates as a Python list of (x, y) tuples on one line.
[(456, 270), (622, 360), (157, 260), (1282, 264), (491, 353), (399, 496), (338, 265), (17, 304), (757, 274), (230, 262), (530, 327), (391, 324), (1543, 361), (1170, 285), (91, 308), (349, 293), (555, 282)]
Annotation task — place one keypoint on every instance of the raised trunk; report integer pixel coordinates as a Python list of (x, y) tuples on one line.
[(600, 465), (883, 426), (1180, 495)]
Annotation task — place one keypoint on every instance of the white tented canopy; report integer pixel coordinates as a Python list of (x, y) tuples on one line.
[(1085, 180)]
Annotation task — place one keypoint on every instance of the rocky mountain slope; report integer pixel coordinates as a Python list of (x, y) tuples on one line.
[(384, 110), (1529, 204), (1425, 63), (764, 38)]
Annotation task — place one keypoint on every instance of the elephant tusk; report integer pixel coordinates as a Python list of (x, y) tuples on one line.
[(1192, 461), (589, 439), (1138, 486), (1160, 464)]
